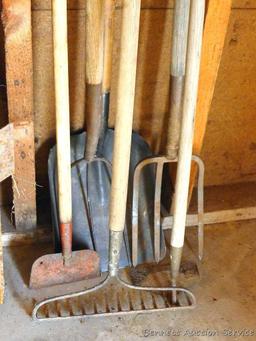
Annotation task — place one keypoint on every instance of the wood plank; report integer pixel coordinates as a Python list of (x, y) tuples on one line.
[(14, 238), (216, 217), (1, 266), (6, 169), (16, 17), (6, 152), (216, 24)]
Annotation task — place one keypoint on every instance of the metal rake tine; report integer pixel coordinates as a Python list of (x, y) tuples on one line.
[(87, 204), (200, 205), (135, 213), (157, 209)]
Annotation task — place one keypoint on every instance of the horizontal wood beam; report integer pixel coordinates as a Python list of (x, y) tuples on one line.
[(216, 217)]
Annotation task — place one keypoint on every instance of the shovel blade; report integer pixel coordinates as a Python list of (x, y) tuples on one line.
[(50, 269)]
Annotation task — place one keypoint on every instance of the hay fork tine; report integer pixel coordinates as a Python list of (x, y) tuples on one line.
[(160, 160)]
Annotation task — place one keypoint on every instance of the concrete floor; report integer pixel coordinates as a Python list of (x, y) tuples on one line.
[(226, 298)]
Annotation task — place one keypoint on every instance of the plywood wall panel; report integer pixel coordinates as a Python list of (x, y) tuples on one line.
[(229, 150), (230, 143), (44, 82)]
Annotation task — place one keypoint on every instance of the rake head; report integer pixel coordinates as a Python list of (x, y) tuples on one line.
[(113, 296)]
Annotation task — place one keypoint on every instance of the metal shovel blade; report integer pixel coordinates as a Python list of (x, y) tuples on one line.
[(50, 269), (91, 197)]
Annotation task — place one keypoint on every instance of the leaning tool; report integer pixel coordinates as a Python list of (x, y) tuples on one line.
[(178, 66), (113, 295), (69, 266), (186, 138), (91, 154)]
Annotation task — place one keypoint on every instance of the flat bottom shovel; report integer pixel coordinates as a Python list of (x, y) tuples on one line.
[(51, 269)]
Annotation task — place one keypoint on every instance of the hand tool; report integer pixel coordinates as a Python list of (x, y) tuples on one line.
[(113, 295), (186, 139), (69, 266), (91, 173)]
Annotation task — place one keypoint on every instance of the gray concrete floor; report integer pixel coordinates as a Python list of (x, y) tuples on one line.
[(226, 297)]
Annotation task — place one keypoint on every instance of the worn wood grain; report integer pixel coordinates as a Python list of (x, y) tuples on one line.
[(16, 17), (6, 152), (231, 108), (6, 170)]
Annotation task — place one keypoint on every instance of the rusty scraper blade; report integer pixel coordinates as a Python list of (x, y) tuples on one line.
[(50, 269)]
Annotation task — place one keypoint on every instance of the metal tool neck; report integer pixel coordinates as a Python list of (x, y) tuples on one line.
[(115, 245)]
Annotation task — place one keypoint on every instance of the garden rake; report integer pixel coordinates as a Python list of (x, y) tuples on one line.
[(114, 295)]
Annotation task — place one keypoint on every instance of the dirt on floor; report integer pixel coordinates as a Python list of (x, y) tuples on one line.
[(226, 297)]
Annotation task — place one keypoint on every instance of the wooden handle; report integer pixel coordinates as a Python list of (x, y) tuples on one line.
[(189, 105), (178, 66), (124, 114), (179, 37), (94, 41), (109, 9), (59, 12), (94, 74)]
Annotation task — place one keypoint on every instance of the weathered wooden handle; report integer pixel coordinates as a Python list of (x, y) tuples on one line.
[(59, 12), (189, 105), (109, 8), (178, 66), (124, 114), (94, 74)]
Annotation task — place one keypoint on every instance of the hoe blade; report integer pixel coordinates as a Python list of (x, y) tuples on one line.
[(50, 269)]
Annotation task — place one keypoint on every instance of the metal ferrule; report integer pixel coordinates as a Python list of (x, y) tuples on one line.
[(176, 255), (104, 120), (115, 245)]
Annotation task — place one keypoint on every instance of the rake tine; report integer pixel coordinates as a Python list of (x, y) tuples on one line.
[(88, 208), (157, 210), (200, 205), (135, 213)]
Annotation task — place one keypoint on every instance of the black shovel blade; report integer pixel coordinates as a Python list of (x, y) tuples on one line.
[(91, 196)]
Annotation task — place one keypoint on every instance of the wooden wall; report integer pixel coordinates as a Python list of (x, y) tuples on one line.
[(230, 144)]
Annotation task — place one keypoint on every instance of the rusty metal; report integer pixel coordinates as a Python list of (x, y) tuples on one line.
[(66, 240), (158, 210), (51, 269), (116, 295)]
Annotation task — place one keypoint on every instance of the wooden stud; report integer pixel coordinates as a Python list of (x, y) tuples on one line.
[(215, 30), (16, 17), (1, 268), (6, 170)]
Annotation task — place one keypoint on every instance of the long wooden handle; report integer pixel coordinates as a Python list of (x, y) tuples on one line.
[(59, 8), (59, 11), (109, 8), (178, 66), (189, 105), (124, 114), (94, 74)]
